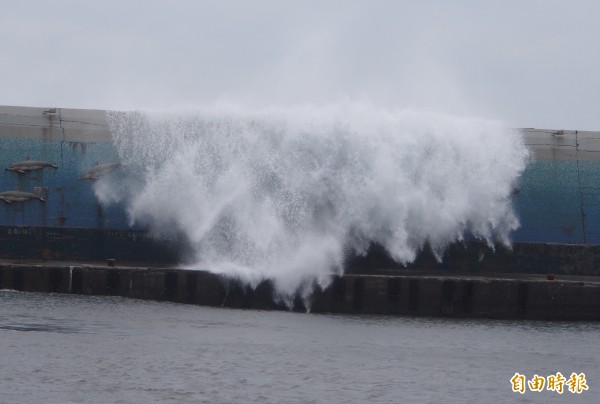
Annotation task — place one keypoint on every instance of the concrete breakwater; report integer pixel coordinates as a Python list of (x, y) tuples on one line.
[(138, 247), (524, 297), (556, 200)]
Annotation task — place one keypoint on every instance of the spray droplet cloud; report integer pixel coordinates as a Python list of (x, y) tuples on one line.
[(287, 193)]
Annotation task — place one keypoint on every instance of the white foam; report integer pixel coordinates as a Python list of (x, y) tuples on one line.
[(285, 193)]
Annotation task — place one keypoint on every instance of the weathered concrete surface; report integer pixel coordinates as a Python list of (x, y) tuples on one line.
[(81, 244), (558, 144), (476, 258), (135, 247), (531, 297), (64, 124)]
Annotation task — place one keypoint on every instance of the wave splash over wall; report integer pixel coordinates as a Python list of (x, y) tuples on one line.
[(288, 193)]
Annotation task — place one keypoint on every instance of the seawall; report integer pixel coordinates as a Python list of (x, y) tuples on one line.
[(557, 203), (407, 295), (557, 200)]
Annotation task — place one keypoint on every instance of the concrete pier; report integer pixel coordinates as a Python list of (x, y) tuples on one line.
[(410, 294)]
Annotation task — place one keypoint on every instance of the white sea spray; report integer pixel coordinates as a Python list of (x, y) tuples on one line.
[(285, 193)]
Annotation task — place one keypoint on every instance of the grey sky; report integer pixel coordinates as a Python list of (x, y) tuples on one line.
[(527, 63)]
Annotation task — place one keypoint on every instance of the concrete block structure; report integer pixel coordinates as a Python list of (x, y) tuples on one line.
[(558, 205)]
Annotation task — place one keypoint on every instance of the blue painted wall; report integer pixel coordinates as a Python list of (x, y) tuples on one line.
[(558, 202), (70, 202)]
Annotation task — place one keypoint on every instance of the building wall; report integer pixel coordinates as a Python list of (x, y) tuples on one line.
[(558, 200), (560, 188), (75, 141)]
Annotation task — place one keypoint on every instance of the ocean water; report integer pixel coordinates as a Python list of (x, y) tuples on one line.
[(67, 348)]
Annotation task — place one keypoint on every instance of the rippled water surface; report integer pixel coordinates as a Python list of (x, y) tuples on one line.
[(61, 348)]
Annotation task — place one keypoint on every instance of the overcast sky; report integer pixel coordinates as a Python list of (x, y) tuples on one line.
[(527, 63)]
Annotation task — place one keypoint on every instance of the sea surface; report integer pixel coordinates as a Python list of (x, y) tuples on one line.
[(66, 348)]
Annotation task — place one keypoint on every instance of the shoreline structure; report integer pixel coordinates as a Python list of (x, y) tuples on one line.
[(550, 273)]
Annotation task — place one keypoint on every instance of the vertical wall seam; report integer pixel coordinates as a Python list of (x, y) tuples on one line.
[(62, 142), (582, 212)]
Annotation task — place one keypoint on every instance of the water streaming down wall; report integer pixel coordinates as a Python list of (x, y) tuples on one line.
[(556, 203)]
